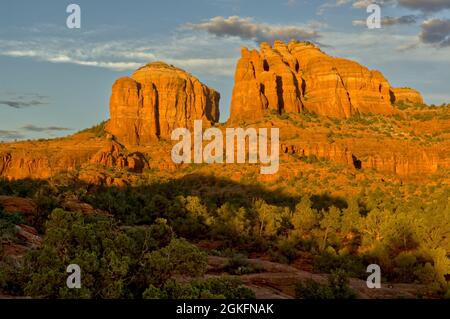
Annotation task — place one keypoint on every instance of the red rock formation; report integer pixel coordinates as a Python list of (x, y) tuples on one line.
[(300, 76), (407, 95), (405, 162), (29, 235), (157, 99), (114, 155), (12, 205), (29, 239)]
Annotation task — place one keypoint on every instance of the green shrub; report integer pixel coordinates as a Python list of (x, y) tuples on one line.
[(310, 289), (239, 265), (405, 265), (211, 288), (337, 288), (286, 251), (352, 265)]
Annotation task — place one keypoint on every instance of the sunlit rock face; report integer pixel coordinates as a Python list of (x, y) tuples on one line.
[(155, 100), (299, 76)]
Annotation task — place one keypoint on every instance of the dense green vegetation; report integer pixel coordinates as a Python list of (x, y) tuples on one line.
[(138, 251), (116, 262), (336, 288)]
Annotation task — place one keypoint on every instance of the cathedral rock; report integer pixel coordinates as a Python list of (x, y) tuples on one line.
[(298, 76), (157, 99)]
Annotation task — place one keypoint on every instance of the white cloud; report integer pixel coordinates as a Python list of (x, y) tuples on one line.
[(248, 29), (208, 56), (357, 4)]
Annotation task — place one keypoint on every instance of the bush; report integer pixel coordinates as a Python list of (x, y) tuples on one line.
[(405, 266), (211, 288), (7, 226), (239, 265), (337, 288), (310, 289), (352, 265), (177, 258), (286, 251)]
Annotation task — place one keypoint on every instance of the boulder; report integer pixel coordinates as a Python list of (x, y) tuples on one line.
[(13, 205)]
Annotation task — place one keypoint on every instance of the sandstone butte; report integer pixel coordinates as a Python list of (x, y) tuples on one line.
[(298, 76), (288, 78), (155, 100), (407, 95)]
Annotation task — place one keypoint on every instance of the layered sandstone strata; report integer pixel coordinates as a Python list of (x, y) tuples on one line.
[(405, 162), (300, 76), (407, 95), (155, 100)]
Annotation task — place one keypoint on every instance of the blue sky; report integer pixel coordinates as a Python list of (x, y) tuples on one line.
[(55, 81)]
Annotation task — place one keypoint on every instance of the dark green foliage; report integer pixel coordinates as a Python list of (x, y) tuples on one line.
[(352, 265), (138, 247), (211, 288), (337, 288), (239, 265), (7, 226), (177, 258), (115, 263)]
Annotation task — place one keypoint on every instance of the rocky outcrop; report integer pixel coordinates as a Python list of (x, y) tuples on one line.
[(27, 239), (407, 95), (114, 155), (29, 235), (300, 76), (13, 205), (155, 100), (405, 162), (41, 161)]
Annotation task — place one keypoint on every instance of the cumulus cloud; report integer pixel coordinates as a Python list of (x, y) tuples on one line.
[(24, 101), (436, 32), (34, 128), (391, 21), (425, 5), (247, 29)]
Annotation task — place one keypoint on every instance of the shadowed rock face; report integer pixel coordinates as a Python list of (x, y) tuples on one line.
[(157, 99), (299, 76)]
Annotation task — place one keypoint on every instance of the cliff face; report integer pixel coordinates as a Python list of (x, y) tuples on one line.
[(407, 95), (404, 162), (299, 76), (21, 163), (292, 78), (44, 159), (157, 99)]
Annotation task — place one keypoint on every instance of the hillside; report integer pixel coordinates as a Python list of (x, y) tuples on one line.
[(364, 178)]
